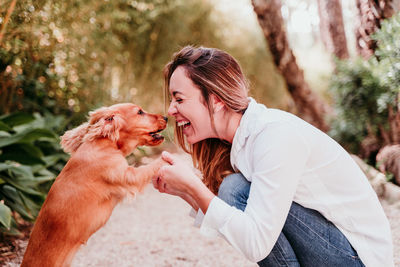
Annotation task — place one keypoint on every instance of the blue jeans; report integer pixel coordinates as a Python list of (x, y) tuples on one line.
[(307, 238)]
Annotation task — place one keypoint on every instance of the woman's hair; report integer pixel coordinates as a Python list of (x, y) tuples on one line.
[(214, 72)]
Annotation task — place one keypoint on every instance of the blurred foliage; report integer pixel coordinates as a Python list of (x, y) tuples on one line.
[(30, 159), (71, 56), (366, 91)]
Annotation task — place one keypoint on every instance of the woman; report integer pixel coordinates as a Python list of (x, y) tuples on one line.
[(276, 188)]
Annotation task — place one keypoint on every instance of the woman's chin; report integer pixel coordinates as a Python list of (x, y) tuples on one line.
[(192, 137), (190, 140)]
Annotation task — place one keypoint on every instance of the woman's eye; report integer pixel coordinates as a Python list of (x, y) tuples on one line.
[(179, 100), (140, 112)]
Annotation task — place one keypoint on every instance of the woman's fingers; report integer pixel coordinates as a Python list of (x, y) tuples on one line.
[(168, 157), (159, 184), (158, 181), (155, 181), (169, 178)]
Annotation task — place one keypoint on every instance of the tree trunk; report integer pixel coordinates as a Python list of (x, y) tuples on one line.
[(4, 24), (308, 104), (332, 27), (370, 15)]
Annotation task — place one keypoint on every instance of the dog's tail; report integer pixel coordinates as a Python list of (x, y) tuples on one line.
[(72, 139)]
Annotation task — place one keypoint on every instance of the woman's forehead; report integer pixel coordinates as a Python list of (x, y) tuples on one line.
[(180, 83)]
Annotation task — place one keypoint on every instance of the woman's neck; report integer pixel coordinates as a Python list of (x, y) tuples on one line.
[(227, 125)]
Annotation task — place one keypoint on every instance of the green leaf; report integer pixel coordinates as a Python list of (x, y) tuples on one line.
[(54, 158), (38, 134), (24, 185), (4, 134), (27, 136), (8, 140), (17, 118), (44, 179), (4, 127), (21, 177), (23, 153), (17, 169), (7, 165), (14, 201), (44, 173), (13, 228), (30, 205), (5, 215)]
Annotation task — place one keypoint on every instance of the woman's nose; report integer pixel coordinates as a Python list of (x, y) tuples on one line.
[(172, 109)]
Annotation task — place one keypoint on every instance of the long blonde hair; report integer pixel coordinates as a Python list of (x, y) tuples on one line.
[(217, 73)]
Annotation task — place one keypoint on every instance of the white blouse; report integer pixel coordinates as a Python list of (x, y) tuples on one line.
[(286, 159)]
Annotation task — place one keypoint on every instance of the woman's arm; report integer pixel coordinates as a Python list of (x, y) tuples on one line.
[(276, 158)]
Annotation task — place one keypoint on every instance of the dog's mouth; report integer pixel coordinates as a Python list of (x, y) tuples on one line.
[(155, 135)]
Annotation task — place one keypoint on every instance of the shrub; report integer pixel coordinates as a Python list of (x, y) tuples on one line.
[(30, 159), (366, 94)]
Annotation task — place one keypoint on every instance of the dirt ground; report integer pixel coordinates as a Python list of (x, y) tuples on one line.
[(155, 230), (152, 230)]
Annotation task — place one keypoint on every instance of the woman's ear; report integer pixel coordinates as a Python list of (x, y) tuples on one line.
[(104, 122), (217, 104)]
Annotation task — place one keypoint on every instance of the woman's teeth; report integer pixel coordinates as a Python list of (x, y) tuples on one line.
[(182, 123)]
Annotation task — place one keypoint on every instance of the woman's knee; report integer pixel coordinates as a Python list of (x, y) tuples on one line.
[(317, 241), (234, 190)]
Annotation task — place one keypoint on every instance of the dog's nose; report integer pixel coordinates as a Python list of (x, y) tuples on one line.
[(165, 118)]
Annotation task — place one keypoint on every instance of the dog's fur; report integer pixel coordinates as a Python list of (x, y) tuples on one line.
[(94, 180)]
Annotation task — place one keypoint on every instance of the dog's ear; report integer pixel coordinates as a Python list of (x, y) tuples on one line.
[(72, 139), (104, 122)]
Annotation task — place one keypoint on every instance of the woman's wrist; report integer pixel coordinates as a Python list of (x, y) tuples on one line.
[(188, 198), (201, 195)]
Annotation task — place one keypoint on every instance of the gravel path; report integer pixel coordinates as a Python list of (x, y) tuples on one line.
[(155, 230)]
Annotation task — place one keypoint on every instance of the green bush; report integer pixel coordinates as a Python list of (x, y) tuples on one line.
[(30, 159), (71, 56), (365, 90), (387, 62)]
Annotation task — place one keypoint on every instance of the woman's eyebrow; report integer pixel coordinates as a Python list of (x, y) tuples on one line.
[(174, 93)]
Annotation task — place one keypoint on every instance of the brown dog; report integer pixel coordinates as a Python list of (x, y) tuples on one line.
[(94, 180)]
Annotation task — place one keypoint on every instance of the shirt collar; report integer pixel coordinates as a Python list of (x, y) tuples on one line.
[(246, 126), (243, 131)]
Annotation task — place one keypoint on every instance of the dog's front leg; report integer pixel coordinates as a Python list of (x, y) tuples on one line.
[(142, 175)]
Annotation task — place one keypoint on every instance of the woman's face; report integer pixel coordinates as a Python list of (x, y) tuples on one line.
[(188, 109)]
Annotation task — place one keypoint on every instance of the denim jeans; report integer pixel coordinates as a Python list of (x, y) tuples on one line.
[(307, 238)]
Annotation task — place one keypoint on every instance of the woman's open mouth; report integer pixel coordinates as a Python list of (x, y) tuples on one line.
[(183, 124)]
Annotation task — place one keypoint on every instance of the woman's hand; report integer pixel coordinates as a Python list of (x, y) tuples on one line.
[(175, 178), (179, 179)]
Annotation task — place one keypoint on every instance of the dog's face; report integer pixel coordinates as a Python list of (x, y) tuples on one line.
[(127, 125), (139, 125)]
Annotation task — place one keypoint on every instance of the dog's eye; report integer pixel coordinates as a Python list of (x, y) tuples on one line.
[(140, 112)]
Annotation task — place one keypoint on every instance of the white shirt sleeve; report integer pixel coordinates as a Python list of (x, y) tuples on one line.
[(198, 217), (279, 159)]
